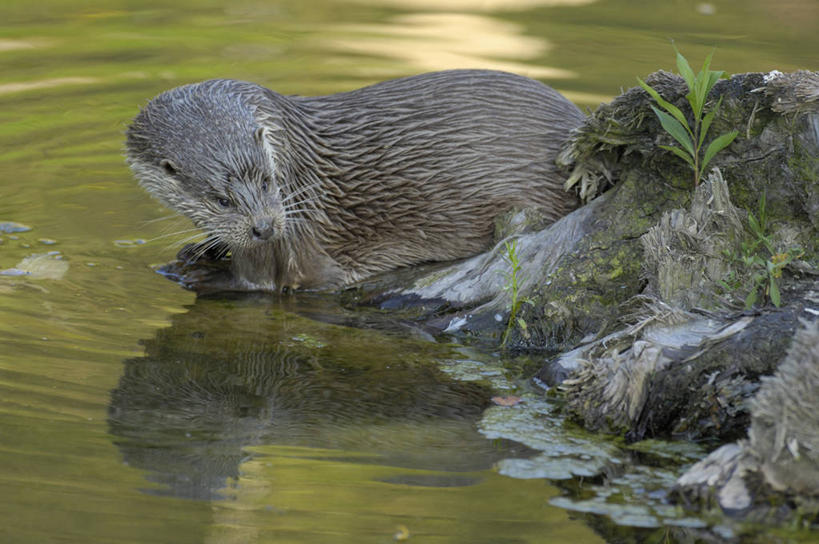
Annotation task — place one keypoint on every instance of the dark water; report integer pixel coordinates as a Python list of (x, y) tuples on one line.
[(132, 412)]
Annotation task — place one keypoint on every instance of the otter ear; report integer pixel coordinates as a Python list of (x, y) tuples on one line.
[(259, 135), (168, 166)]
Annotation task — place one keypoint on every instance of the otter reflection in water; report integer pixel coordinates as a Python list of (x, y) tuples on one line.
[(323, 191), (244, 372)]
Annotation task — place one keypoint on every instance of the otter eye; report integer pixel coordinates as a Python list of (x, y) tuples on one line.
[(264, 186), (168, 166), (223, 202)]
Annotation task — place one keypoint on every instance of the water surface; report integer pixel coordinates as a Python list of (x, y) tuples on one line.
[(132, 412)]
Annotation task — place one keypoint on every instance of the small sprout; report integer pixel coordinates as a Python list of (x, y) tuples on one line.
[(512, 286), (765, 270), (675, 123)]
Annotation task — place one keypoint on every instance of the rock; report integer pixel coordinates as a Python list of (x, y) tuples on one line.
[(774, 474)]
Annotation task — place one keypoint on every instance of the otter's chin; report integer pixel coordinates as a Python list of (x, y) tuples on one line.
[(256, 247)]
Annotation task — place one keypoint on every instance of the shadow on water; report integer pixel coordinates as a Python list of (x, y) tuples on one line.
[(233, 373)]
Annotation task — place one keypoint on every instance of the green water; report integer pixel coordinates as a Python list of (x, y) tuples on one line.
[(132, 412)]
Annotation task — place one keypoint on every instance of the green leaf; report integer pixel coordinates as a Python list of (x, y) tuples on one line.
[(754, 224), (698, 101), (706, 65), (713, 76), (680, 153), (708, 81), (771, 267), (685, 69), (774, 293), (694, 98), (718, 144), (676, 130), (649, 89), (668, 106), (701, 85), (706, 122), (692, 101), (750, 300)]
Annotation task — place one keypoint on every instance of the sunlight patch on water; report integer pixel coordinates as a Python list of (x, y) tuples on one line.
[(442, 41), (484, 5), (6, 88), (16, 45), (590, 99)]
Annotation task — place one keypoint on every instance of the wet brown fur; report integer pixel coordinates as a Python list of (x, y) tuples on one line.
[(324, 191)]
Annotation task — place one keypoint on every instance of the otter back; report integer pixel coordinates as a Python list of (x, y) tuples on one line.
[(324, 191)]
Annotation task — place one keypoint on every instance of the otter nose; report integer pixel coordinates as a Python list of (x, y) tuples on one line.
[(263, 229)]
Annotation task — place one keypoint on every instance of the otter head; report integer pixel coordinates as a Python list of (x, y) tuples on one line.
[(200, 150)]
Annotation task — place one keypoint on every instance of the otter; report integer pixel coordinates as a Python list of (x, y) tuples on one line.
[(324, 191)]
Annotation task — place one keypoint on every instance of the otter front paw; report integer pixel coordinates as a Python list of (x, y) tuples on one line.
[(209, 249)]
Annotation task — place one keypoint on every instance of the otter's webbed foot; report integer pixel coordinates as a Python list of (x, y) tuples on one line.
[(202, 267)]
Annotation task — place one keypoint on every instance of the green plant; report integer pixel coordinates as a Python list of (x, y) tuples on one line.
[(766, 271), (676, 124), (513, 280)]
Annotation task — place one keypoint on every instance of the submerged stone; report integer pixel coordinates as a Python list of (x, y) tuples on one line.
[(9, 227)]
